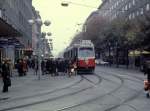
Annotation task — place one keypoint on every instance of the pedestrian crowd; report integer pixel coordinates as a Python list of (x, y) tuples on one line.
[(51, 66), (56, 67)]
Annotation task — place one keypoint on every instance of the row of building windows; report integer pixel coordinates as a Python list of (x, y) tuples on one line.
[(119, 2), (139, 12), (129, 5), (134, 14)]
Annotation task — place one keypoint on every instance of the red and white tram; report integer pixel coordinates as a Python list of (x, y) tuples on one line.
[(82, 54)]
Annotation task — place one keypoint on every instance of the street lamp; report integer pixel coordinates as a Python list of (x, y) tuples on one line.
[(46, 43), (66, 4), (47, 23), (43, 34), (40, 23), (49, 33)]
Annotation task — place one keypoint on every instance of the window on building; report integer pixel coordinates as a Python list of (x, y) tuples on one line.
[(129, 5), (126, 7), (117, 3), (137, 13), (133, 15), (123, 9), (115, 15), (130, 17), (142, 11), (133, 2), (147, 7)]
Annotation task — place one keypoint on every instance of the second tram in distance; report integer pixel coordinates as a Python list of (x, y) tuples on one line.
[(82, 54)]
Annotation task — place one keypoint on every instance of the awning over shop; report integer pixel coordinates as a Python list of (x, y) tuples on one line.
[(138, 53), (6, 30), (11, 41), (28, 49)]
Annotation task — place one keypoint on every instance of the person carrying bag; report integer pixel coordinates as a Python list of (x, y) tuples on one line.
[(147, 82), (6, 76)]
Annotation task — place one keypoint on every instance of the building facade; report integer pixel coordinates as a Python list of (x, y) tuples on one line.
[(128, 9), (36, 31), (15, 31)]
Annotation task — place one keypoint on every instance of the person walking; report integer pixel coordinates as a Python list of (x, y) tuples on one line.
[(43, 65), (10, 67), (25, 67), (36, 63), (6, 76), (147, 82), (0, 68), (20, 67), (53, 66)]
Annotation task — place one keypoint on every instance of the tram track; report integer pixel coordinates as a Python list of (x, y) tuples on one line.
[(55, 98), (124, 74), (129, 99), (131, 107), (113, 91), (46, 93), (99, 79), (88, 101), (94, 99)]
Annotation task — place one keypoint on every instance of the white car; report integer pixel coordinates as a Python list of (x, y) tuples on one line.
[(101, 62)]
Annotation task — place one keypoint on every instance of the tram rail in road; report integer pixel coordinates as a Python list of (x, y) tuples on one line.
[(55, 98)]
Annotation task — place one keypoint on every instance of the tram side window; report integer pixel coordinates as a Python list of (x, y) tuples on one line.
[(69, 54), (75, 52)]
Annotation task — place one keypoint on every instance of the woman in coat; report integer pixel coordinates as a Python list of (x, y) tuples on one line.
[(20, 67), (5, 75), (147, 82)]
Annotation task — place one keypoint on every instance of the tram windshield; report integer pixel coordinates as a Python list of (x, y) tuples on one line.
[(86, 52)]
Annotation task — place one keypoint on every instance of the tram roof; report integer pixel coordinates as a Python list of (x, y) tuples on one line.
[(81, 43)]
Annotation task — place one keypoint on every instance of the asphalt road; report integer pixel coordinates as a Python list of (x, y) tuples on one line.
[(109, 89)]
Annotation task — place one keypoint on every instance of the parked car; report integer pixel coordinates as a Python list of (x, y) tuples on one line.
[(101, 62)]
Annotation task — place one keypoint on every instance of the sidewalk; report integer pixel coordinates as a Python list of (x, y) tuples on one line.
[(139, 102), (30, 85)]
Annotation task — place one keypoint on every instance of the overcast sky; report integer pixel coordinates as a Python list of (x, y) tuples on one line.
[(64, 19)]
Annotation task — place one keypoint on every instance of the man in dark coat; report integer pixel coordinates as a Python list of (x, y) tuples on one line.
[(147, 70), (43, 67), (36, 66), (53, 67), (20, 67), (5, 75), (49, 66), (147, 84)]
